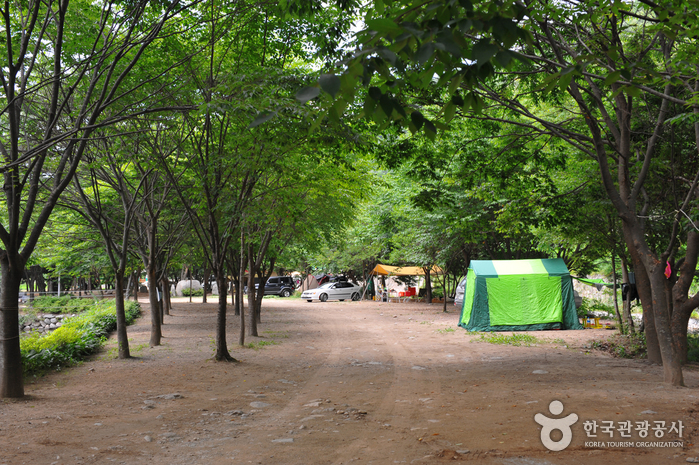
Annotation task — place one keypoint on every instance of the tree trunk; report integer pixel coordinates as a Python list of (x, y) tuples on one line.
[(155, 327), (252, 319), (614, 293), (122, 338), (222, 353), (207, 272), (682, 305), (11, 376), (626, 303), (672, 368), (644, 292), (166, 295), (428, 286), (239, 290)]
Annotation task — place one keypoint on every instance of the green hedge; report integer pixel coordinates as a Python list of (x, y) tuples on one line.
[(79, 336), (195, 292)]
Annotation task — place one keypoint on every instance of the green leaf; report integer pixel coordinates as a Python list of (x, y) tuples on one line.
[(417, 119), (330, 84), (483, 51), (384, 25), (612, 78), (261, 118), (424, 53), (307, 93)]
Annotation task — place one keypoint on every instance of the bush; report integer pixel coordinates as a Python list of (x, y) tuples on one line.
[(596, 307), (65, 304), (623, 346), (79, 336), (195, 292)]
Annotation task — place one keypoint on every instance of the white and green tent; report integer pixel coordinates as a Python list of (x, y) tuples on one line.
[(518, 295)]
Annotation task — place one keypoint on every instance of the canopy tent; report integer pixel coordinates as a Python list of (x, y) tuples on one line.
[(385, 270), (518, 295)]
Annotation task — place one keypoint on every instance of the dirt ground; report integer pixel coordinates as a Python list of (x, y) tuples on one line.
[(340, 383)]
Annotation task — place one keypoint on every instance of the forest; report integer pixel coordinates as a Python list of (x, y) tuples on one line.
[(243, 138)]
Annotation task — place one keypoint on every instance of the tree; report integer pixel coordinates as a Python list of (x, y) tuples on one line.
[(64, 69), (611, 71)]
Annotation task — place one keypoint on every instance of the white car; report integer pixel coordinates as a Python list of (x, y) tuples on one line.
[(341, 290)]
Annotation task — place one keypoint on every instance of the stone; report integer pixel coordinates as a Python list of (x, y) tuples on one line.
[(539, 372), (185, 284), (259, 404), (283, 440), (648, 412)]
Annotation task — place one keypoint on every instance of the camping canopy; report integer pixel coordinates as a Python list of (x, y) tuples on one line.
[(518, 295), (386, 270)]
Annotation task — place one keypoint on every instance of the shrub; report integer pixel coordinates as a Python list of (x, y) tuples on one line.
[(78, 337), (195, 292), (623, 346), (596, 307), (64, 304)]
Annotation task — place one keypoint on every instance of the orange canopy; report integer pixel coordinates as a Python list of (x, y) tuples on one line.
[(386, 270)]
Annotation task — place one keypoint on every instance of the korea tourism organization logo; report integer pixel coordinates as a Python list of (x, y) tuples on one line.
[(606, 433)]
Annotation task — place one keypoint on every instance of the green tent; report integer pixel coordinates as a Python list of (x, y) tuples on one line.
[(518, 295)]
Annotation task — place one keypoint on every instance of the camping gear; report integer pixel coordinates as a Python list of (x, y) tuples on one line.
[(518, 295)]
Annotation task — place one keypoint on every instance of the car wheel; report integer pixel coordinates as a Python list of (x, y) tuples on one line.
[(355, 296), (323, 297), (286, 293)]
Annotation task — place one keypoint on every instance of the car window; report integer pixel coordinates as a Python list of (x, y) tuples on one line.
[(326, 285)]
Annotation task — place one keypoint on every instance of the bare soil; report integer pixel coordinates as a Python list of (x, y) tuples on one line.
[(340, 383)]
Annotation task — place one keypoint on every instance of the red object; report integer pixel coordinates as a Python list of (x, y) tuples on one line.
[(668, 270), (401, 294)]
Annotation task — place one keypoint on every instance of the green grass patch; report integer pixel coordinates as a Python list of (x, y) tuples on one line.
[(623, 346), (260, 344), (277, 334), (516, 339), (79, 337), (693, 347), (446, 330)]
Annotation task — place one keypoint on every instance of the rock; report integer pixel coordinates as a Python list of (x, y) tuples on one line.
[(539, 372), (259, 404), (283, 440), (172, 396), (648, 412), (693, 459), (185, 284), (463, 451)]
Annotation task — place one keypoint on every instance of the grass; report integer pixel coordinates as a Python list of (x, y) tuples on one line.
[(446, 330), (260, 344), (277, 334), (624, 346), (516, 339)]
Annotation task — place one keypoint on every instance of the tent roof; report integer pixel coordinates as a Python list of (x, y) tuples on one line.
[(386, 270), (540, 266)]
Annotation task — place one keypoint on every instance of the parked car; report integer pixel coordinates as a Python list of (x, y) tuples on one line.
[(282, 286), (341, 290)]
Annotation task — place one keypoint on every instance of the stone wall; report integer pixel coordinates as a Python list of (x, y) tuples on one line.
[(45, 323)]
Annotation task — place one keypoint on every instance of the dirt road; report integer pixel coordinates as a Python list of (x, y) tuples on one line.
[(346, 382)]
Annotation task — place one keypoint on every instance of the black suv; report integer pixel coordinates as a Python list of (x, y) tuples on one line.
[(282, 286)]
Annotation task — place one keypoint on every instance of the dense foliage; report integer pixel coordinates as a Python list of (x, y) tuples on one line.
[(79, 337)]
